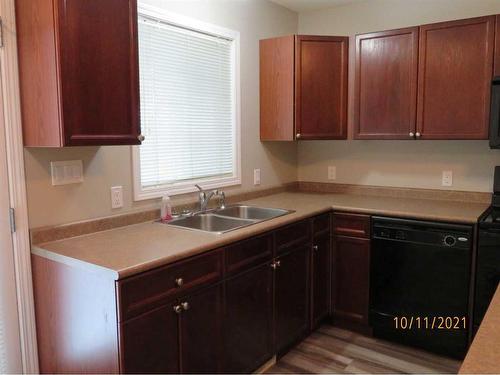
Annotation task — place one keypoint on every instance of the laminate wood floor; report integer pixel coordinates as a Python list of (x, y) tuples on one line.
[(334, 350)]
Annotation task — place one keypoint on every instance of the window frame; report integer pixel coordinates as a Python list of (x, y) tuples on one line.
[(143, 193)]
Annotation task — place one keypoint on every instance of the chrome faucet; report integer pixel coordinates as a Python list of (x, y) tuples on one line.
[(205, 197)]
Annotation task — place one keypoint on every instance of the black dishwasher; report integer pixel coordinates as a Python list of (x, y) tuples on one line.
[(419, 284)]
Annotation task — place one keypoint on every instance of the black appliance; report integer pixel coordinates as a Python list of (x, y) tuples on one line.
[(488, 255), (495, 113), (420, 274)]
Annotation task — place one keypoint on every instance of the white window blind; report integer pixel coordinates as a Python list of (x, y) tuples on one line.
[(188, 108)]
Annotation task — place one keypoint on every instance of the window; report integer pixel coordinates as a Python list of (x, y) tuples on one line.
[(189, 84)]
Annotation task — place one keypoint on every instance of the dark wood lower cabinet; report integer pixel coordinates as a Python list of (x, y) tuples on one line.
[(150, 342), (228, 310), (351, 278), (248, 320), (321, 278), (291, 294), (166, 341), (201, 331)]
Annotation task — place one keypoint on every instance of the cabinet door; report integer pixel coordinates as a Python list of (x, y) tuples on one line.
[(496, 58), (321, 272), (351, 278), (201, 331), (248, 320), (99, 71), (454, 78), (276, 89), (292, 297), (321, 87), (150, 342), (386, 84)]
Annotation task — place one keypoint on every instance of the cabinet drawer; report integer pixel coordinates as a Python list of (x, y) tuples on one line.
[(292, 235), (148, 290), (352, 225), (321, 223), (246, 254)]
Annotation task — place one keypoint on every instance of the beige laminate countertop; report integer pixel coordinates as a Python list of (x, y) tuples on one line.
[(483, 356), (125, 251)]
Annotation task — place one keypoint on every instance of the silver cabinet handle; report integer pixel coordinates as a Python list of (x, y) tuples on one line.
[(315, 247), (179, 281), (185, 306), (417, 134), (412, 134), (275, 264), (177, 309), (298, 135), (141, 138)]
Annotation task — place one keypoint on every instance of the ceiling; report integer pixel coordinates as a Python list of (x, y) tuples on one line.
[(309, 5)]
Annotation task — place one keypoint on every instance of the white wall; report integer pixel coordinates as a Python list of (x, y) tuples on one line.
[(396, 163), (386, 163), (109, 166)]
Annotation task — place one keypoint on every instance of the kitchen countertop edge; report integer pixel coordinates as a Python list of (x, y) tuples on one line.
[(43, 249)]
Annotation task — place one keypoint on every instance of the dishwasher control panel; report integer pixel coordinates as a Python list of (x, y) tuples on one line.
[(438, 235)]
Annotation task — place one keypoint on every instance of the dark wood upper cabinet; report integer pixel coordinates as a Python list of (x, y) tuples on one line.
[(454, 78), (79, 76), (303, 88), (386, 84), (321, 87), (277, 89)]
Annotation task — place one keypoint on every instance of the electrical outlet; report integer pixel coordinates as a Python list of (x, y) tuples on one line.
[(256, 176), (447, 178), (116, 197), (332, 172), (66, 172)]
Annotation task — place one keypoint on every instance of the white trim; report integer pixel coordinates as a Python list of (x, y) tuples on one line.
[(141, 193), (186, 22), (17, 185)]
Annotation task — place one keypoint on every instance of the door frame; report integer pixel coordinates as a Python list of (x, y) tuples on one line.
[(17, 186)]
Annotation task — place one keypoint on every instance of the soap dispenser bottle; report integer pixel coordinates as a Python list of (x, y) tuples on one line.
[(166, 209)]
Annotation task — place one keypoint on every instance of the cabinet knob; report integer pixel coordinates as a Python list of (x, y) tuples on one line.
[(179, 281), (298, 135), (273, 265), (417, 134), (412, 134), (177, 309), (185, 306), (315, 247), (141, 138), (278, 263)]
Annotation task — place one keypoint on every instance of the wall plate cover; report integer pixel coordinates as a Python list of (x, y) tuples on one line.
[(332, 172), (256, 176), (66, 172), (447, 179), (117, 197)]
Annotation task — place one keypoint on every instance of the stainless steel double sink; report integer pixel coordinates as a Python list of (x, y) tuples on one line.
[(229, 218)]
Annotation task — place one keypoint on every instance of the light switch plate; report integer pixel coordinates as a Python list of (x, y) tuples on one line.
[(447, 179), (332, 172), (256, 176), (117, 197), (66, 172)]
